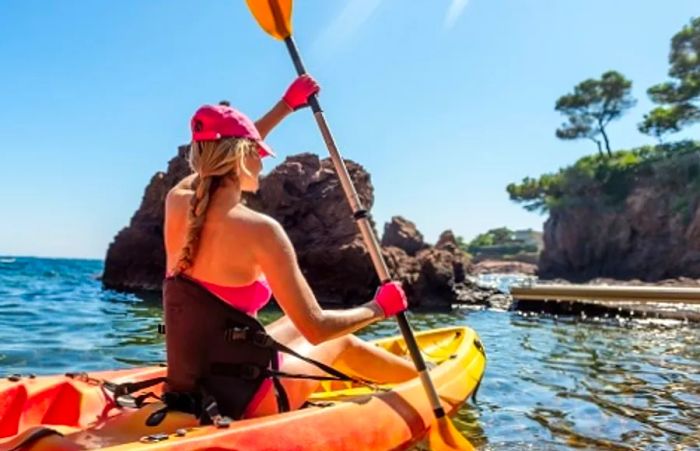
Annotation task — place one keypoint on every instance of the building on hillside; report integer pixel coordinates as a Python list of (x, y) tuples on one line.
[(529, 237)]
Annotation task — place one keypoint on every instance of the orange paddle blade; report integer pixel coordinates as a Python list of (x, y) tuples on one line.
[(273, 16), (444, 436)]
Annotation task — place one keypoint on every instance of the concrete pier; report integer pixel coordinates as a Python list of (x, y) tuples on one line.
[(541, 292), (681, 303)]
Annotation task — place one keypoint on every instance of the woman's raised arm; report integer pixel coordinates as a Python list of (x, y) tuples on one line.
[(296, 96)]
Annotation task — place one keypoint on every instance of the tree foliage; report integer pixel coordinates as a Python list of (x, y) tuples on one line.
[(498, 236), (678, 98), (592, 106), (600, 180)]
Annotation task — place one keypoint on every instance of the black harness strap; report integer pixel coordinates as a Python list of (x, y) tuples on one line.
[(280, 392), (264, 340)]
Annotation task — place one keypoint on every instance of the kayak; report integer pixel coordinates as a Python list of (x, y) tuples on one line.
[(77, 412)]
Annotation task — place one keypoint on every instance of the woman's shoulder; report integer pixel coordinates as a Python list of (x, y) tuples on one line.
[(181, 191), (264, 228), (255, 219)]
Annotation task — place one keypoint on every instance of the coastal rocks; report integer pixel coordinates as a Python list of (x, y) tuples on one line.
[(653, 235), (437, 277), (402, 233), (471, 293), (504, 267)]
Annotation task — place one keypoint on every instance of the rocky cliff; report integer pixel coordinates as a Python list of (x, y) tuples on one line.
[(650, 233)]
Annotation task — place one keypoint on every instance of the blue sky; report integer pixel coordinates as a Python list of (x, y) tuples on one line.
[(444, 102)]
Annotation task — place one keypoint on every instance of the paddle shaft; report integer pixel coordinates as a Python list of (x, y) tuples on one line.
[(362, 219)]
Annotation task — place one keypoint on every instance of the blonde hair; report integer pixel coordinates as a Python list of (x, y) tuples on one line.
[(211, 161)]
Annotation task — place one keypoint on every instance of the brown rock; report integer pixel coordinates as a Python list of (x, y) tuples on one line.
[(654, 234), (504, 267), (447, 241), (305, 196), (402, 233)]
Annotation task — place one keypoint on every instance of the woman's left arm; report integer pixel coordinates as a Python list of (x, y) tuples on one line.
[(273, 117), (296, 96)]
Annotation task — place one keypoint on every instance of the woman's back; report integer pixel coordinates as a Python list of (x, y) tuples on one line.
[(225, 250)]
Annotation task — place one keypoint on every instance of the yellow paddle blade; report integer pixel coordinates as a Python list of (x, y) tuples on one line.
[(273, 16), (444, 436)]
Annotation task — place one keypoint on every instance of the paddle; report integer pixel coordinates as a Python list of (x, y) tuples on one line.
[(274, 16)]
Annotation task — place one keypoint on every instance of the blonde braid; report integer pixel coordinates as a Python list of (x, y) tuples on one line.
[(195, 222), (210, 160)]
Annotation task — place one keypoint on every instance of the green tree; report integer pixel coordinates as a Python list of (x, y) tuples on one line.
[(536, 194), (678, 98), (592, 106), (493, 237), (501, 235), (482, 239)]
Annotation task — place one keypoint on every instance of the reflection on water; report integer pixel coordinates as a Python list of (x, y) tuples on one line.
[(550, 383), (566, 383)]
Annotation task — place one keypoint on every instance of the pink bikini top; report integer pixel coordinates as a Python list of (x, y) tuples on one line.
[(246, 298)]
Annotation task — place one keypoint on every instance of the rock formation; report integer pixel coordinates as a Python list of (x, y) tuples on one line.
[(432, 276), (403, 234), (650, 238), (641, 223), (305, 196)]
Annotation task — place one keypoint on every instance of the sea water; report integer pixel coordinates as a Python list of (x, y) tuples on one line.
[(550, 383)]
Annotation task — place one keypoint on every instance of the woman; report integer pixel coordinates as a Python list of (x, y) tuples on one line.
[(243, 256)]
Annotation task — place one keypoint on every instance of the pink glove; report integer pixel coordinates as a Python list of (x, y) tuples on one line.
[(391, 298), (299, 91)]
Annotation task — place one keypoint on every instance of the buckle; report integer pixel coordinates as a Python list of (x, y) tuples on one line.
[(126, 401), (236, 333), (211, 407), (262, 339)]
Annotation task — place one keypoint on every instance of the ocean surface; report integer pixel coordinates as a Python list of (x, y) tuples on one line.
[(551, 383)]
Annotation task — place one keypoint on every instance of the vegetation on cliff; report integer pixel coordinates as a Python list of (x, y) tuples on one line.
[(503, 243), (606, 179)]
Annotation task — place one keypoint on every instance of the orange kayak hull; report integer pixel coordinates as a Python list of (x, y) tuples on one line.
[(64, 413)]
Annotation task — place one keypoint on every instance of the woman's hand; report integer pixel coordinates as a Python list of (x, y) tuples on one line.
[(297, 96), (391, 298), (298, 93)]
